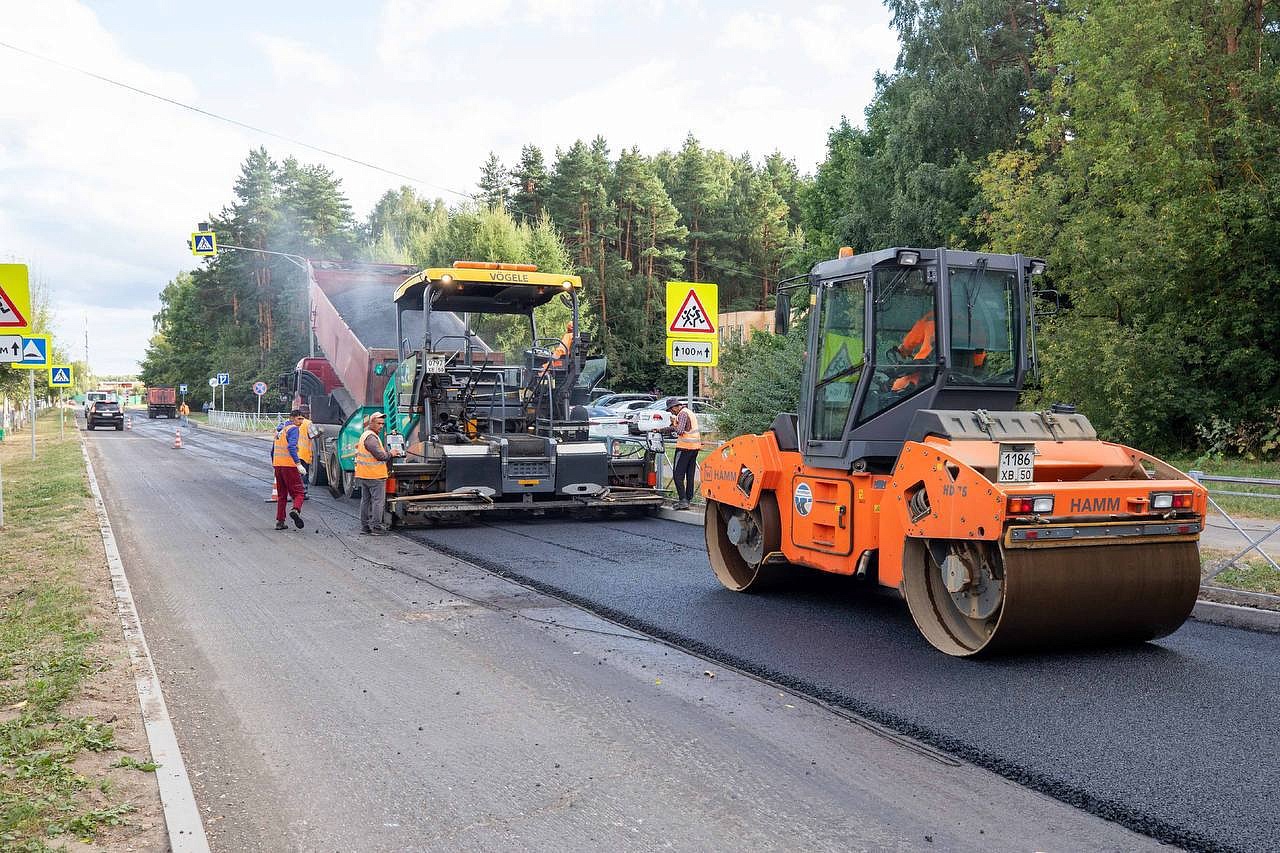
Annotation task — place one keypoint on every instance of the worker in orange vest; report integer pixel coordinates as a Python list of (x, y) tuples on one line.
[(185, 412), (917, 345), (371, 474), (688, 442), (288, 470), (306, 450)]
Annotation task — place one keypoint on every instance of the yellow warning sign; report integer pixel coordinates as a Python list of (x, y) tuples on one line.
[(693, 309), (15, 298)]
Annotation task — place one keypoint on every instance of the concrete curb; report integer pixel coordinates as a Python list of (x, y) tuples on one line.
[(181, 814), (1216, 613), (1236, 616)]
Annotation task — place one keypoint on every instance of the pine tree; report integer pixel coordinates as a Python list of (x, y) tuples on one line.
[(528, 201)]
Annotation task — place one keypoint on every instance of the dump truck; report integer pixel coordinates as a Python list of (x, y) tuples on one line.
[(162, 401), (908, 464), (480, 434)]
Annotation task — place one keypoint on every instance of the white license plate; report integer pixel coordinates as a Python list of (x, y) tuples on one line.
[(1016, 466), (433, 365)]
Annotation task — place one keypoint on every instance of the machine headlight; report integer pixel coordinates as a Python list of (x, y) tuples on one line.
[(1037, 266), (1040, 506), (1162, 500), (908, 257)]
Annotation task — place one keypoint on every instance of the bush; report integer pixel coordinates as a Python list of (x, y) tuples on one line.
[(757, 379)]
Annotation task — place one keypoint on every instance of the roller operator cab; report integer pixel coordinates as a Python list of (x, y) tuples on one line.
[(481, 433), (909, 464)]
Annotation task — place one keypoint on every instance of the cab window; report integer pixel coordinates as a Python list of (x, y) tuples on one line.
[(905, 334), (839, 360), (984, 336)]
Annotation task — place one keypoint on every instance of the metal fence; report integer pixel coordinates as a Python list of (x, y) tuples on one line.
[(1253, 544), (247, 421)]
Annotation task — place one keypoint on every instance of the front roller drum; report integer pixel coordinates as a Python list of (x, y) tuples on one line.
[(979, 597), (743, 544)]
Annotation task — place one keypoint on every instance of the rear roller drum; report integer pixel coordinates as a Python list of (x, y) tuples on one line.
[(740, 541), (968, 597)]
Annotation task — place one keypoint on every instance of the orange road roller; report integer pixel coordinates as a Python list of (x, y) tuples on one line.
[(909, 464)]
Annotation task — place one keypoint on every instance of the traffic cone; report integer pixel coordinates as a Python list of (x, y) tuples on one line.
[(177, 439), (275, 494), (128, 421)]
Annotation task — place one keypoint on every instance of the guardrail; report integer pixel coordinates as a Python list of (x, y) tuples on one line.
[(247, 421), (1254, 544)]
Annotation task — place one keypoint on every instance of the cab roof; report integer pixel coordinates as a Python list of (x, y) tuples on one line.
[(484, 288)]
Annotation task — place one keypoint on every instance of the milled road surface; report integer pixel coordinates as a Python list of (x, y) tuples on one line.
[(1179, 739), (337, 692)]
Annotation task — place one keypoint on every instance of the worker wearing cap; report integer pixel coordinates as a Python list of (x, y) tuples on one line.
[(288, 470), (306, 450), (917, 345), (371, 474), (688, 443)]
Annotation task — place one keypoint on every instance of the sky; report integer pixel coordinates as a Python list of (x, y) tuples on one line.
[(101, 187)]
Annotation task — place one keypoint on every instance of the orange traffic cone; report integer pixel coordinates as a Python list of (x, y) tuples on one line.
[(128, 421), (177, 439), (275, 494)]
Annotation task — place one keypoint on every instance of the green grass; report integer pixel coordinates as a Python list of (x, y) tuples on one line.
[(1253, 575), (46, 646), (1245, 506)]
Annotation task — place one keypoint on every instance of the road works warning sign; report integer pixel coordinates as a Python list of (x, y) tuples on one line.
[(693, 309), (15, 298)]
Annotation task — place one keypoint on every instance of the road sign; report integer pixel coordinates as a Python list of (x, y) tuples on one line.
[(60, 376), (15, 298), (224, 378), (213, 382), (35, 353), (182, 389), (693, 309), (204, 244), (10, 349), (259, 388), (690, 353)]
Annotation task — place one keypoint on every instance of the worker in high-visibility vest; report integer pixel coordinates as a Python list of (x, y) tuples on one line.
[(371, 474), (688, 442), (288, 470), (917, 345), (185, 411), (306, 450)]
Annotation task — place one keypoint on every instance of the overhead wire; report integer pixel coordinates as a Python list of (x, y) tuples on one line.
[(232, 121)]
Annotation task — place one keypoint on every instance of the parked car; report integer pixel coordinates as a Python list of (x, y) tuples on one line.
[(621, 400), (104, 412), (656, 417), (606, 423)]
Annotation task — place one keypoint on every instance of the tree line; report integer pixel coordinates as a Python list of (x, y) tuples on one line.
[(1132, 143)]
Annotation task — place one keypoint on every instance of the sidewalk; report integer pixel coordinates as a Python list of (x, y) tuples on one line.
[(1219, 535)]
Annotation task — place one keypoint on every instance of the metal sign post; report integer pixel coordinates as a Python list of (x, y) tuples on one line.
[(62, 417), (31, 386)]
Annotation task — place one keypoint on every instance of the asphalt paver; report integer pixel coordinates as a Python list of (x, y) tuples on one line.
[(1178, 739), (338, 692)]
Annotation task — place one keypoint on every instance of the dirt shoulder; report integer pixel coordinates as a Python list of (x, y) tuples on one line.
[(74, 758)]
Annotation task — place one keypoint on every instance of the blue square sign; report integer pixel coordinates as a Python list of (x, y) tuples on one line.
[(35, 352), (224, 378), (182, 389)]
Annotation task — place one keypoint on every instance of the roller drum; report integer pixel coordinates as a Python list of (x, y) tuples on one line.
[(1053, 597)]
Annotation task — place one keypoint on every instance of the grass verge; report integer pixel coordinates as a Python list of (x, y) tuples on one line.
[(50, 789), (1254, 575)]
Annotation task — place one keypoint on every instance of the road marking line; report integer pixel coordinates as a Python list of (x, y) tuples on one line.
[(181, 815)]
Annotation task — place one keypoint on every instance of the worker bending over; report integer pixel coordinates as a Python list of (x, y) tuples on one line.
[(288, 470), (688, 443)]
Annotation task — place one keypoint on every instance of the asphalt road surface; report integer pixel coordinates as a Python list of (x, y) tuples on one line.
[(1178, 739), (332, 691)]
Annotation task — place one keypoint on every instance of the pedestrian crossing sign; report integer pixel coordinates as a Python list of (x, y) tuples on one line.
[(60, 376), (204, 244)]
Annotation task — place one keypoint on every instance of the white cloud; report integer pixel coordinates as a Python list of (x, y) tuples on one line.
[(295, 61)]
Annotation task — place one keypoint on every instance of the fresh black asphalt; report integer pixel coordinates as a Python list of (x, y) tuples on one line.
[(1178, 739)]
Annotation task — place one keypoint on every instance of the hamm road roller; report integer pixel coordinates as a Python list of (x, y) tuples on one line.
[(908, 464)]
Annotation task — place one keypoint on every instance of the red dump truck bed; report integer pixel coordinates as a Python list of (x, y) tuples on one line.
[(162, 401), (354, 317)]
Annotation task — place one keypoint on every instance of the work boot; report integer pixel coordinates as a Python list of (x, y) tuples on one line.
[(378, 531), (280, 525), (681, 505), (364, 530), (297, 519)]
